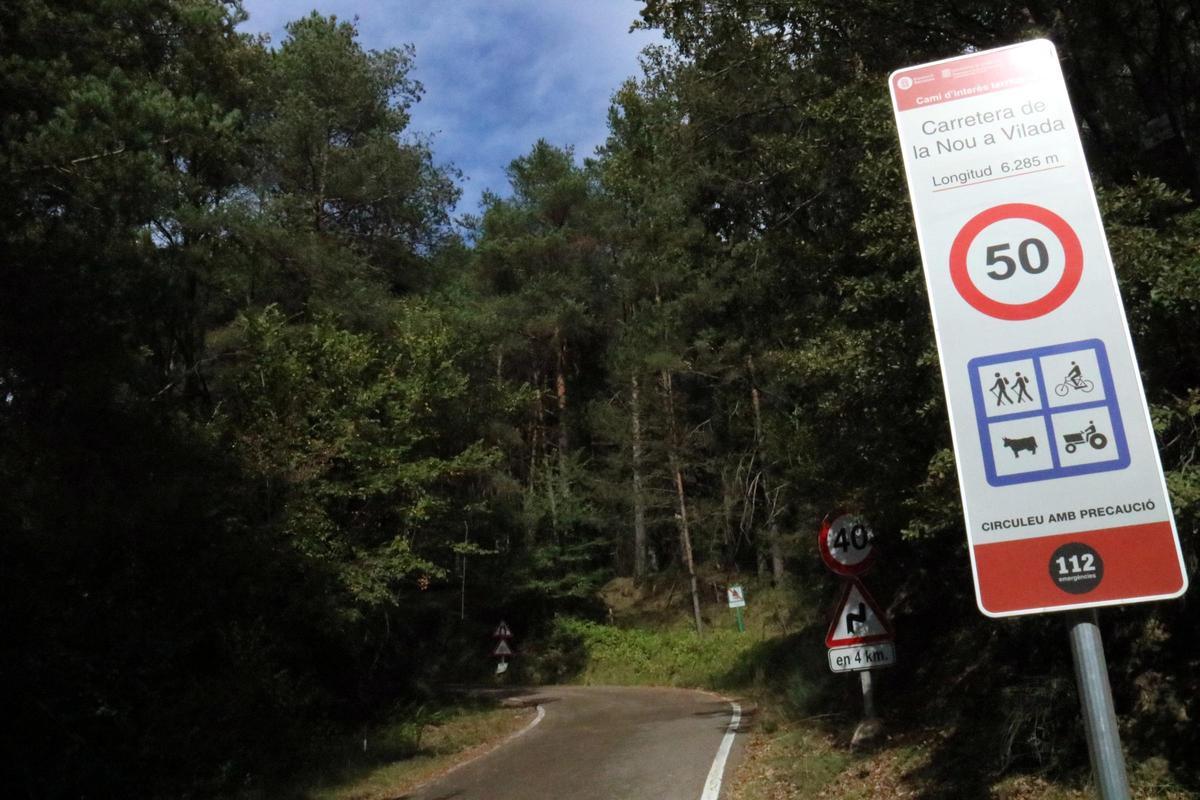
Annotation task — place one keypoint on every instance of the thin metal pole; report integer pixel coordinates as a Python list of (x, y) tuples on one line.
[(1099, 718), (462, 605), (868, 690)]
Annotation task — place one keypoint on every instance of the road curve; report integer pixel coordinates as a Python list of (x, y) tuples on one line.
[(601, 743)]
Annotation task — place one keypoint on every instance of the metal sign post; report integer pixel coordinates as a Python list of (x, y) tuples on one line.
[(1099, 717), (868, 691)]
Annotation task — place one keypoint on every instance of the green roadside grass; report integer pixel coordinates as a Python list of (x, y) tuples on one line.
[(637, 656), (408, 751), (797, 761), (790, 762)]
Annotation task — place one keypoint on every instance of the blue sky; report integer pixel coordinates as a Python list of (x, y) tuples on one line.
[(498, 74)]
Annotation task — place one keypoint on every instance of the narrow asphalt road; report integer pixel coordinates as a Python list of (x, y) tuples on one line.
[(602, 743)]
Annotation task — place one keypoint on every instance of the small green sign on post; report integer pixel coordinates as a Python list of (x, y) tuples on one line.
[(737, 600)]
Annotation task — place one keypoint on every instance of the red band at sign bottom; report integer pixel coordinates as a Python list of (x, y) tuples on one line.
[(1139, 562)]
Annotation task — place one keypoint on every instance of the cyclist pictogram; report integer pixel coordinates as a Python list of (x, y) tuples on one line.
[(1074, 381)]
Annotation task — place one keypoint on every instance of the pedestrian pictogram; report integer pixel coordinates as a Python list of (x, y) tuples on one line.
[(858, 619), (1019, 385)]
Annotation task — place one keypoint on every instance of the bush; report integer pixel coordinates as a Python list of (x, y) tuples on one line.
[(592, 653)]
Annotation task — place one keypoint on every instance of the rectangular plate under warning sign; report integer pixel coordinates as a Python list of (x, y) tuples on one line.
[(863, 656), (1063, 493)]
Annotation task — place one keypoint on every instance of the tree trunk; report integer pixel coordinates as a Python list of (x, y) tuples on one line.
[(552, 500), (538, 461), (318, 204), (777, 563), (639, 499), (685, 533), (776, 548), (536, 430), (560, 391), (685, 537), (727, 504)]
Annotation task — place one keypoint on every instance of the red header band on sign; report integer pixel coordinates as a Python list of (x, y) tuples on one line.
[(993, 71)]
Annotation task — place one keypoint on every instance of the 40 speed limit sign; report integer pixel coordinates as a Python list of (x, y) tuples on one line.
[(1063, 493), (846, 543)]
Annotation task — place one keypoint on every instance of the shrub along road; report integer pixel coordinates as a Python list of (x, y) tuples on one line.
[(605, 743)]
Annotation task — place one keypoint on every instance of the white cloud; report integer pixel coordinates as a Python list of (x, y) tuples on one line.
[(498, 74)]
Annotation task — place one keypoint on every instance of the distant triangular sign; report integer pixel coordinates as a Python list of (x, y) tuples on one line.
[(502, 631), (502, 649), (859, 619)]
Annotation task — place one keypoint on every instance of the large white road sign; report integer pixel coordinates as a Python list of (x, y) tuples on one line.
[(1062, 489)]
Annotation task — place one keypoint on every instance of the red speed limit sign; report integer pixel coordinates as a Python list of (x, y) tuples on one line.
[(847, 543), (1034, 254), (1063, 495)]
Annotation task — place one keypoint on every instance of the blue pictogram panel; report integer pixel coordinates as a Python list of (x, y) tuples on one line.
[(1047, 413)]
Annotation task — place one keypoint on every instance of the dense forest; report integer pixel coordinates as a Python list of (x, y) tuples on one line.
[(281, 439)]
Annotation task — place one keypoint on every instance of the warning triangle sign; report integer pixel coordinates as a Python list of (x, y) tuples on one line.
[(502, 649), (502, 631), (859, 619)]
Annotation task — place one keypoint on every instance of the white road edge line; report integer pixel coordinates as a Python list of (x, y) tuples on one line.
[(712, 786), (541, 713)]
